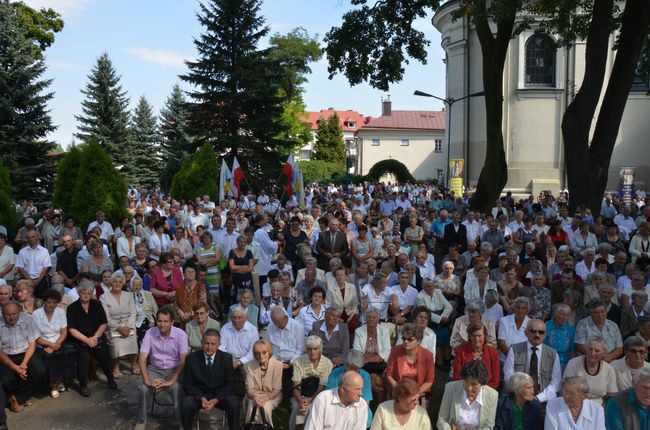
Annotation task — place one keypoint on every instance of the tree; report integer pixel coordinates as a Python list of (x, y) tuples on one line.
[(317, 170), (390, 166), (105, 115), (237, 107), (293, 52), (198, 176), (66, 179), (330, 145), (24, 116), (40, 26), (175, 140), (98, 186), (7, 211), (144, 161)]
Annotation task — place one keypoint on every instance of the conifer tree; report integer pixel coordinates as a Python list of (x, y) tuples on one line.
[(65, 179), (237, 107), (143, 160), (175, 141), (105, 115), (24, 117), (330, 145)]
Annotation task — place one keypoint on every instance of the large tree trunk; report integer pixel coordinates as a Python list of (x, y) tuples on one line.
[(494, 174), (588, 165)]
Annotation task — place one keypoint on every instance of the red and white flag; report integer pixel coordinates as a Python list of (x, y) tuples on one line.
[(287, 170), (237, 176)]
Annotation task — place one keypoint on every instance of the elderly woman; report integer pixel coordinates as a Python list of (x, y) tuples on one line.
[(376, 296), (353, 362), (598, 324), (209, 255), (25, 295), (422, 318), (574, 411), (334, 334), (189, 293), (96, 263), (314, 311), (449, 283), (474, 314), (573, 300), (199, 325), (410, 360), (53, 328), (599, 374), (120, 310), (636, 352), (512, 328), (635, 315), (263, 382), (519, 409), (361, 247), (404, 411), (343, 295), (145, 308), (432, 299), (241, 263), (508, 287), (403, 298), (7, 259), (310, 374), (373, 340), (165, 280), (469, 403), (476, 287), (560, 334), (86, 326), (478, 349), (541, 306)]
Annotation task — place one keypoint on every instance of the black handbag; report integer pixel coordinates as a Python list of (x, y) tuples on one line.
[(257, 426)]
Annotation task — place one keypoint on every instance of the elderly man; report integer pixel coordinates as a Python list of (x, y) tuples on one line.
[(628, 410), (310, 263), (597, 324), (161, 360), (106, 228), (34, 263), (21, 369), (5, 293), (276, 300), (339, 408), (237, 339), (309, 280), (636, 352), (539, 361), (208, 382), (66, 262), (331, 244), (287, 337)]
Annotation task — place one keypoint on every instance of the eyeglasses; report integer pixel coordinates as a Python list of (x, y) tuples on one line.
[(410, 339), (638, 351), (533, 331)]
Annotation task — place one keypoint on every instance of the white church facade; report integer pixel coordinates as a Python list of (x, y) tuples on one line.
[(539, 82)]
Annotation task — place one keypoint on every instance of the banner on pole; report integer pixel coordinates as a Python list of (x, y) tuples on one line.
[(456, 174), (626, 185)]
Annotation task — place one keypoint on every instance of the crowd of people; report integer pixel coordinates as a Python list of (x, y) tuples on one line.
[(346, 309)]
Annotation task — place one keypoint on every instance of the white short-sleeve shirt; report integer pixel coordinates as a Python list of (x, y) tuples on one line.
[(50, 330)]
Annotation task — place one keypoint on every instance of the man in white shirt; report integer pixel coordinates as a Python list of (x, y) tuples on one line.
[(228, 239), (34, 263), (206, 205), (339, 408), (625, 221), (196, 218), (216, 230), (105, 226), (473, 228), (544, 367), (238, 338)]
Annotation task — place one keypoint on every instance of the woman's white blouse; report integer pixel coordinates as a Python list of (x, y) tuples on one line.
[(50, 330)]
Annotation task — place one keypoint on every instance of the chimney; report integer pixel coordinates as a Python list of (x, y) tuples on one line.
[(386, 107)]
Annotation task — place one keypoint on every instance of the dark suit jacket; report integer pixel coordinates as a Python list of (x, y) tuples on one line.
[(557, 291), (460, 238), (614, 313), (324, 244), (198, 382), (533, 418)]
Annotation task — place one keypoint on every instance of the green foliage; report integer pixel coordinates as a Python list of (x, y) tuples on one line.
[(330, 145), (98, 186), (318, 170), (7, 212), (105, 115), (237, 104), (40, 26), (198, 176), (66, 178), (399, 170), (175, 141), (24, 116), (143, 159), (374, 42)]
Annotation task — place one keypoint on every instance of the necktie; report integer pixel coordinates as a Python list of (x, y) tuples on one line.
[(534, 369), (333, 238), (209, 364)]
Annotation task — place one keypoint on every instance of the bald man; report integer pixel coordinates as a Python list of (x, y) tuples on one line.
[(341, 407)]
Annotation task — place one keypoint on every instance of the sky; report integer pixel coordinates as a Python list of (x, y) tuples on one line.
[(149, 40)]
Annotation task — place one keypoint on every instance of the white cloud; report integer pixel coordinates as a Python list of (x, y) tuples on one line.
[(64, 7), (64, 65), (158, 56)]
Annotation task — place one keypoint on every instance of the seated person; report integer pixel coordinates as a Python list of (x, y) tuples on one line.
[(478, 349), (334, 334), (353, 362), (404, 408), (521, 399), (403, 297), (20, 368), (275, 300), (162, 357), (246, 303), (263, 383), (199, 325), (339, 405), (237, 339), (410, 360), (208, 383), (310, 374)]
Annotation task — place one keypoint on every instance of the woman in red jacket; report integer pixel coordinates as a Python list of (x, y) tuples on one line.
[(165, 279), (410, 360), (478, 349)]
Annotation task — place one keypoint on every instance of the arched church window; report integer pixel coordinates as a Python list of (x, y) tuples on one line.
[(540, 61)]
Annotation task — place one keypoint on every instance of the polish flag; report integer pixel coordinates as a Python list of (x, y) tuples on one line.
[(287, 170), (237, 175)]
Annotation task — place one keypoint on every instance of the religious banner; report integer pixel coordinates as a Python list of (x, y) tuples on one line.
[(626, 185), (456, 173)]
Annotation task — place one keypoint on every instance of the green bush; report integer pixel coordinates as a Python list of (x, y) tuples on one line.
[(318, 170), (7, 209), (402, 174), (98, 186), (198, 176), (66, 178)]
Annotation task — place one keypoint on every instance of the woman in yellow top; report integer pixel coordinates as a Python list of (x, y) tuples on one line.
[(404, 411)]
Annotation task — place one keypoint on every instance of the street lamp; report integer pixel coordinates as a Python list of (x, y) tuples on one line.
[(450, 102)]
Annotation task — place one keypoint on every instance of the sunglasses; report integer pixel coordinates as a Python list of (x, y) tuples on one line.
[(410, 339), (533, 331)]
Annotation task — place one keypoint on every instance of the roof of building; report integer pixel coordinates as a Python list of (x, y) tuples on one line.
[(346, 116), (410, 119)]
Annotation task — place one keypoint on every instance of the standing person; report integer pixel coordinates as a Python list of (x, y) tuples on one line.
[(189, 293), (34, 263), (241, 264), (339, 408), (162, 359), (208, 382), (331, 244), (210, 256), (293, 237), (159, 242), (66, 262), (165, 280)]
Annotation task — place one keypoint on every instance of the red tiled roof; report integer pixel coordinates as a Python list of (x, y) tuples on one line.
[(410, 119), (344, 115)]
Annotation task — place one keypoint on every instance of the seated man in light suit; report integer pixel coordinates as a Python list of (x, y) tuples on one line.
[(208, 383)]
